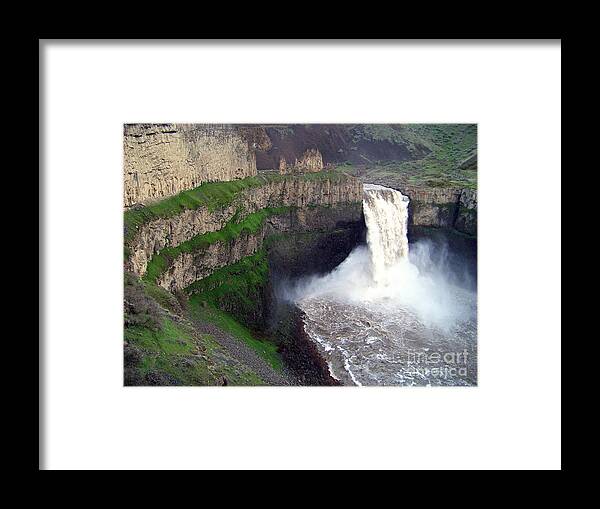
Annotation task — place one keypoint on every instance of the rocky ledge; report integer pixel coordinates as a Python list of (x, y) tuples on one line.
[(442, 207), (268, 191), (194, 265), (437, 207)]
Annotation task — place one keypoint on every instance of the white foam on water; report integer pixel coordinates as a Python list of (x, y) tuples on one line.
[(376, 304), (331, 372), (347, 368)]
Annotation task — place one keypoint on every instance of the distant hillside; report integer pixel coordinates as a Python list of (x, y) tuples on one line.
[(435, 155)]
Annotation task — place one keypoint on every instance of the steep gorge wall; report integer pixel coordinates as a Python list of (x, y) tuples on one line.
[(161, 160), (291, 191), (437, 207), (193, 266), (311, 161), (443, 207), (466, 217)]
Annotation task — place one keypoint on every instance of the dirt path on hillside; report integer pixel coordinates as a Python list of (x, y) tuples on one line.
[(244, 354)]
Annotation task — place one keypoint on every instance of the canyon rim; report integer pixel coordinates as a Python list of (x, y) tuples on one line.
[(300, 254)]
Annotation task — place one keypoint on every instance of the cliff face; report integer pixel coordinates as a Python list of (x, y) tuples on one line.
[(190, 267), (438, 207), (288, 192), (161, 160), (432, 206), (322, 239), (339, 143), (466, 219), (311, 161), (443, 208)]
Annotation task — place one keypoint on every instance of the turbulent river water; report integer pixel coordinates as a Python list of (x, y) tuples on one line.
[(390, 314)]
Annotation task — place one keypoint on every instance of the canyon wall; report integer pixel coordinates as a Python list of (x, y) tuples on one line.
[(310, 161), (466, 217), (438, 207), (290, 191), (193, 266), (161, 160), (432, 206), (443, 207), (322, 239)]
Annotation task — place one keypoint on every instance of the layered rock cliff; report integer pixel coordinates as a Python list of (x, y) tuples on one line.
[(195, 265), (442, 208), (432, 206), (266, 192), (161, 160), (437, 207), (466, 218), (311, 161)]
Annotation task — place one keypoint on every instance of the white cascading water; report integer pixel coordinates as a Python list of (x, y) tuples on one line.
[(375, 311), (386, 217)]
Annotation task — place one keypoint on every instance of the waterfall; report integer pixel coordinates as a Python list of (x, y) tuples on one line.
[(386, 217), (373, 316)]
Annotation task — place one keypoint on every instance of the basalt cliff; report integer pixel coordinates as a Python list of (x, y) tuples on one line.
[(448, 207), (161, 160)]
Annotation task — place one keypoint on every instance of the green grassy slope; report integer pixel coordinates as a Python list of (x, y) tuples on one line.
[(268, 350), (213, 195), (449, 146), (234, 228), (163, 348), (229, 298)]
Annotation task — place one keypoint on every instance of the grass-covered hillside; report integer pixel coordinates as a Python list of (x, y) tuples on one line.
[(421, 154), (450, 162), (164, 346), (213, 331), (212, 195)]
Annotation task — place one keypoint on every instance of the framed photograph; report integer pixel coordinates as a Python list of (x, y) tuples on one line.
[(300, 254)]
